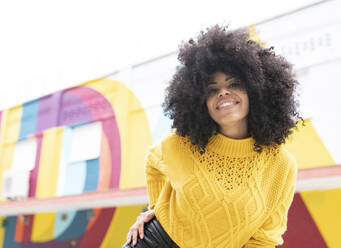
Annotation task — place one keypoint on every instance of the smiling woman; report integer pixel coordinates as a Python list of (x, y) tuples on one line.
[(222, 178), (228, 105)]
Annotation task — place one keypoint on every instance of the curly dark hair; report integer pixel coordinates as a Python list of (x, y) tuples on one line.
[(269, 80)]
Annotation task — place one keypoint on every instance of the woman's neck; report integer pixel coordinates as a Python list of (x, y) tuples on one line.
[(235, 131)]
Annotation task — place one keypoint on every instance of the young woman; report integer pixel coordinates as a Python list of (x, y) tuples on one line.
[(222, 178)]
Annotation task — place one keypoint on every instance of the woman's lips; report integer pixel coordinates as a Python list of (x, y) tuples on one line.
[(226, 104)]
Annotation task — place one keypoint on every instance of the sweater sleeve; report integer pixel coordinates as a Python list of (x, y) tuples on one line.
[(269, 235), (154, 177)]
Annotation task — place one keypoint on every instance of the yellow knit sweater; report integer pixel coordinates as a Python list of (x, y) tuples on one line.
[(227, 197)]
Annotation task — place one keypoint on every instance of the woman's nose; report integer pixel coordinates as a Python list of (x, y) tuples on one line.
[(224, 92)]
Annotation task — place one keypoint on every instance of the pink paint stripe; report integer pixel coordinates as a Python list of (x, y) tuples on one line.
[(325, 171), (109, 125), (111, 131)]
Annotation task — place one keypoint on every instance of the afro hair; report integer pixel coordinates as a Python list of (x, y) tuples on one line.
[(268, 78)]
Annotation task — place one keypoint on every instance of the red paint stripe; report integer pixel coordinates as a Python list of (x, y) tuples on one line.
[(302, 231), (95, 235), (97, 213), (23, 229), (28, 228)]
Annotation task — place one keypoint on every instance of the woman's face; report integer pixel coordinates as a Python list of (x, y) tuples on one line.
[(227, 101)]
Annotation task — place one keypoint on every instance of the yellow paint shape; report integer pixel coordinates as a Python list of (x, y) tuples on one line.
[(49, 163), (10, 128), (122, 220), (3, 125), (12, 123), (253, 35), (324, 207), (2, 231), (43, 227), (43, 224), (135, 134), (307, 147)]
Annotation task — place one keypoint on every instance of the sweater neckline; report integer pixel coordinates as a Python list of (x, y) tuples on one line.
[(221, 144)]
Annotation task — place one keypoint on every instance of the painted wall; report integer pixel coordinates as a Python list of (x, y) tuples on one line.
[(312, 45), (126, 108), (52, 121)]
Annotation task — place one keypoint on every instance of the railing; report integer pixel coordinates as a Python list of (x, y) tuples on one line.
[(112, 198), (321, 178)]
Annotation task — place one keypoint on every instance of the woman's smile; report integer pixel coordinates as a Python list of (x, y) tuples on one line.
[(226, 102)]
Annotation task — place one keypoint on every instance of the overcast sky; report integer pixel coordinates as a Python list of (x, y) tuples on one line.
[(48, 45)]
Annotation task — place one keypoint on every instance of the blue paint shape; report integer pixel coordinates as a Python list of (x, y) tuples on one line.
[(75, 178), (10, 227), (28, 119), (62, 222), (76, 228), (92, 172)]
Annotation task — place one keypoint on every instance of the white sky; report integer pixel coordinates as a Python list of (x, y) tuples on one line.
[(48, 45)]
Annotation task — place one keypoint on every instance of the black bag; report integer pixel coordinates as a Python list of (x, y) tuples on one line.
[(154, 237)]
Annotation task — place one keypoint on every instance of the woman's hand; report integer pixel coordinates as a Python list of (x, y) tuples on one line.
[(138, 226)]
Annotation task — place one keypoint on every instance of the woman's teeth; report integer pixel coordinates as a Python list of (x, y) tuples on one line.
[(226, 104)]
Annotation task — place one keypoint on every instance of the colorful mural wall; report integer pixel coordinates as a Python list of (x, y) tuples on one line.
[(93, 137), (312, 45), (55, 123)]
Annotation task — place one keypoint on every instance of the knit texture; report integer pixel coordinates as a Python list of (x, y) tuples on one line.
[(228, 197)]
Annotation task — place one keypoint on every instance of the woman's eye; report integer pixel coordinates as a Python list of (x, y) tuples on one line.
[(211, 91), (235, 85)]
